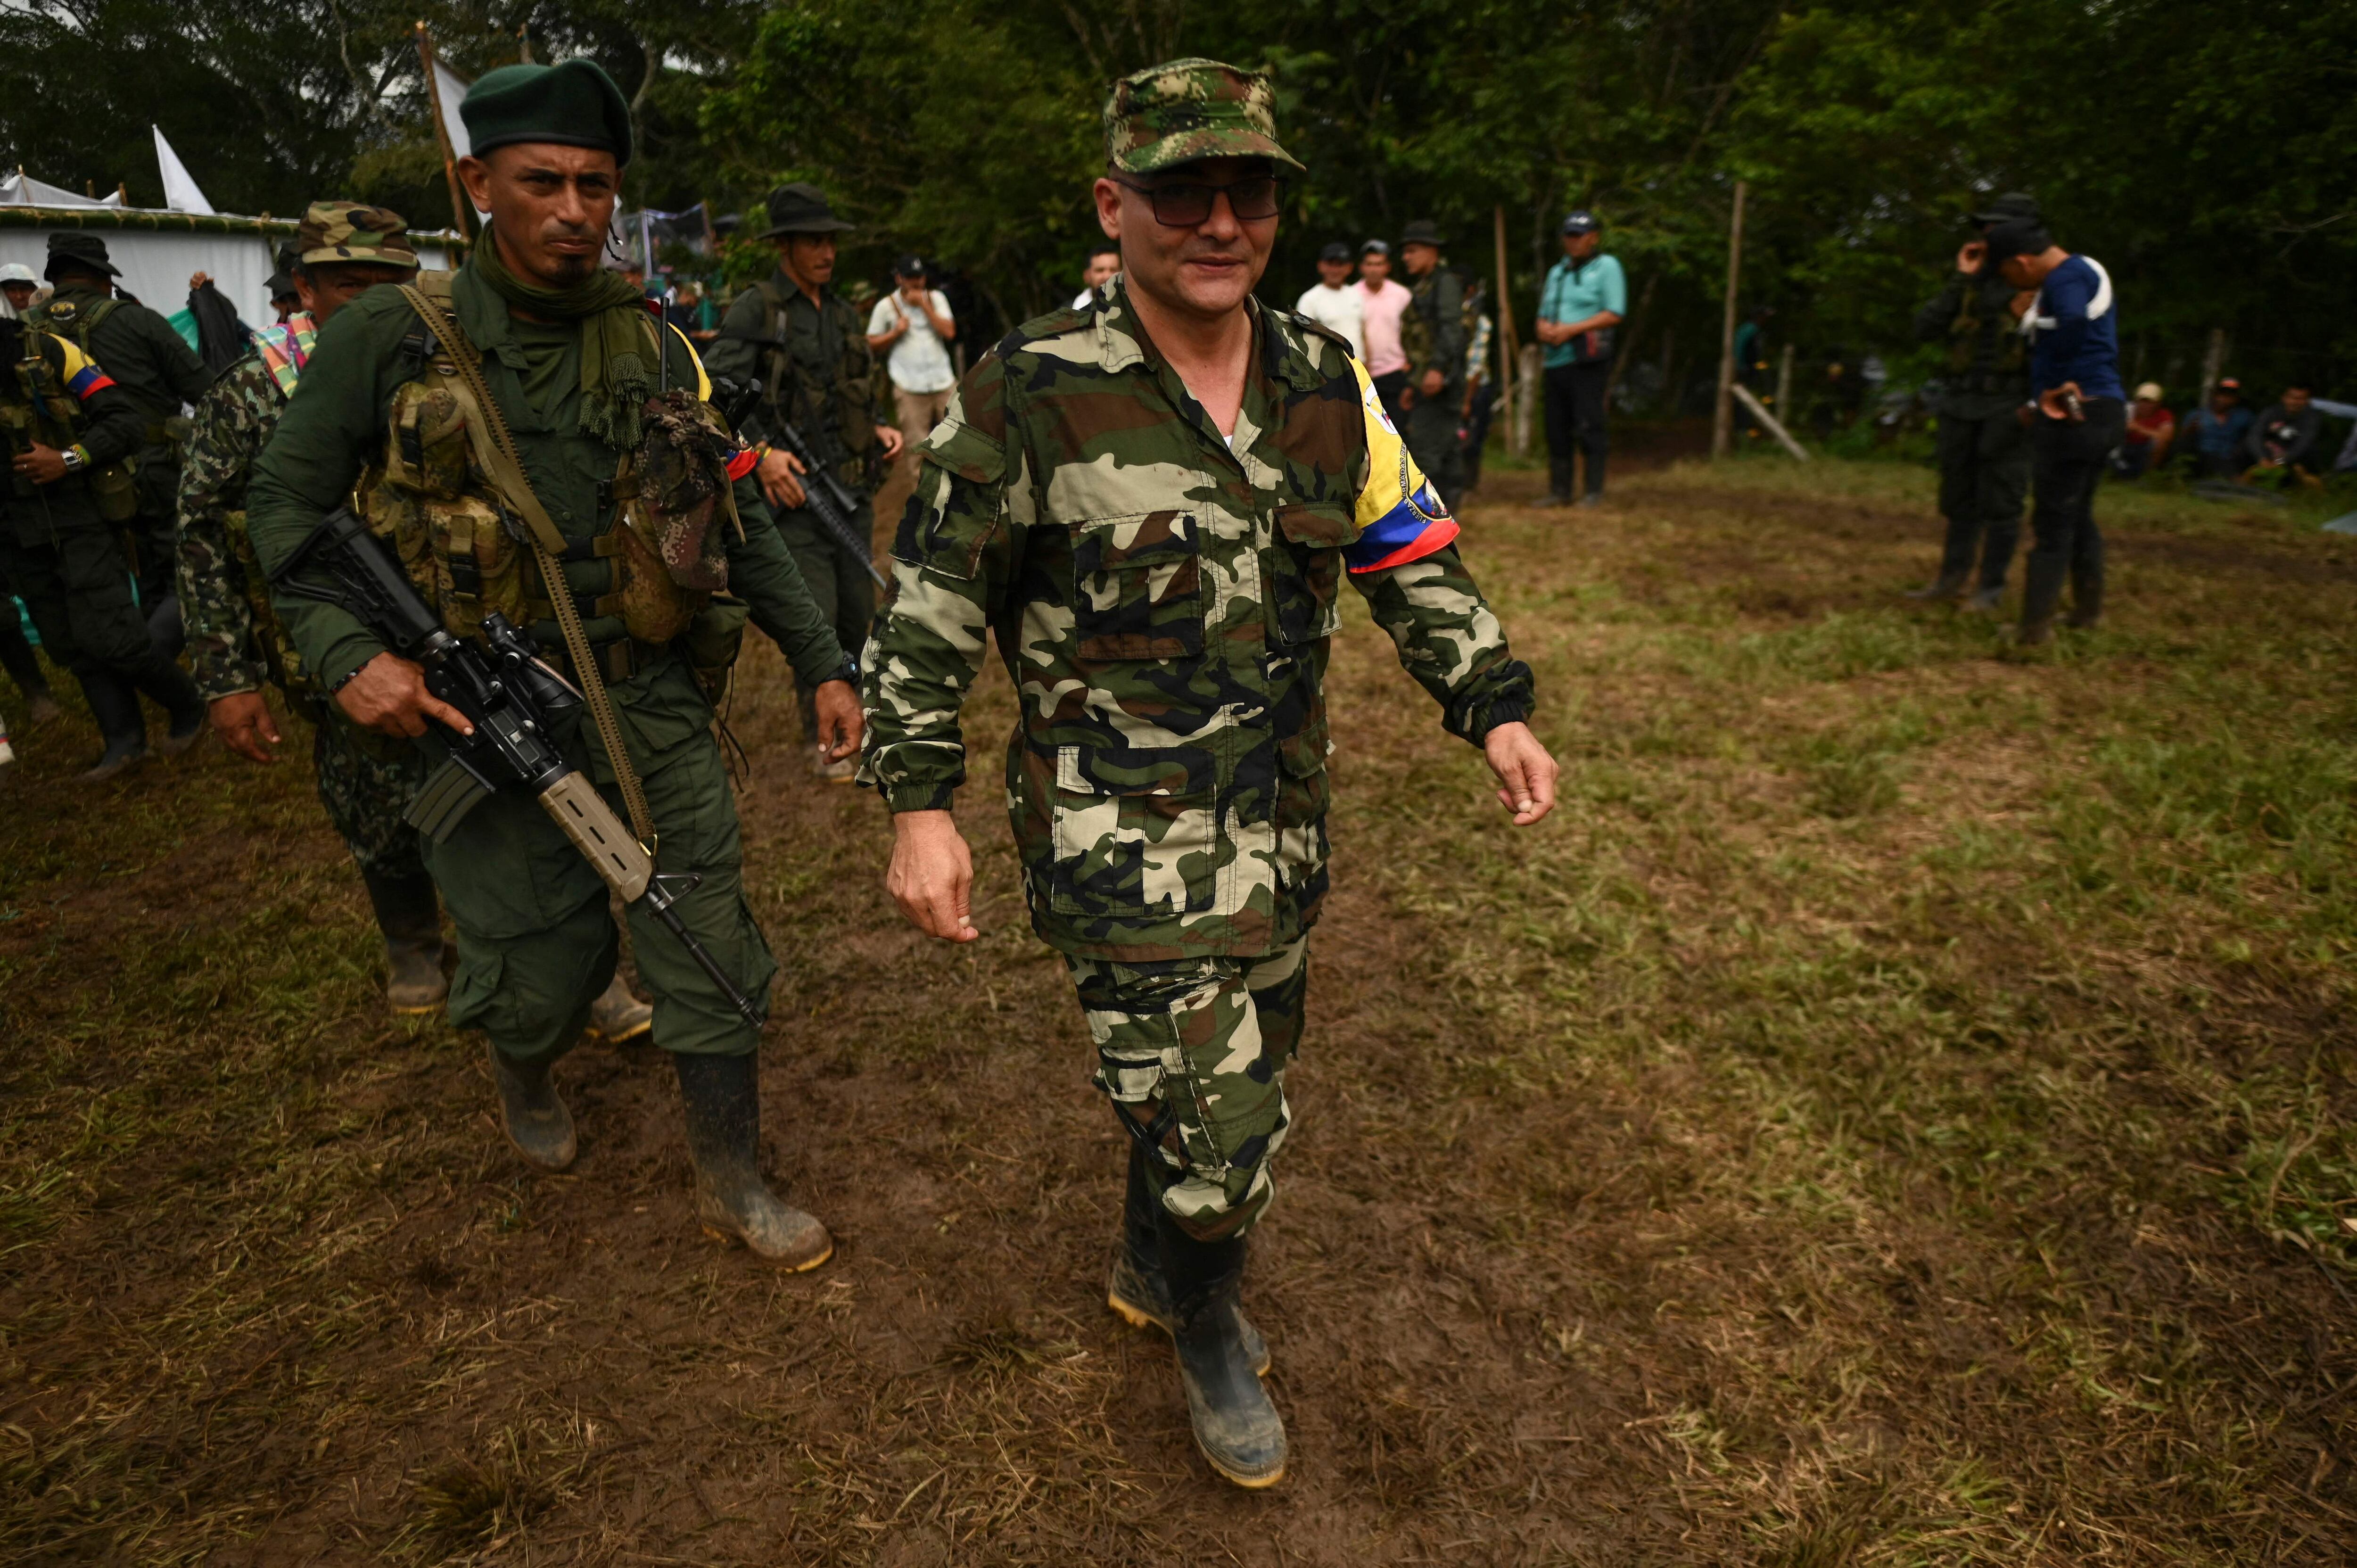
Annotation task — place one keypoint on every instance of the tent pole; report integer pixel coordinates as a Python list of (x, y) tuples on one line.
[(459, 205)]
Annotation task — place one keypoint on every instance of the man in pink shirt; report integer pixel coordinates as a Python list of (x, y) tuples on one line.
[(1385, 303)]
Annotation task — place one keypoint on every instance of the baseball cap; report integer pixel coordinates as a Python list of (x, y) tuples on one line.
[(2149, 391), (1375, 248), (2227, 383), (1337, 252), (2018, 237), (1583, 222), (1185, 110), (911, 265)]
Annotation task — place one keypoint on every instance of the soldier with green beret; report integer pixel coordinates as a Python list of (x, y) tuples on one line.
[(1153, 501), (806, 342), (532, 444), (236, 645)]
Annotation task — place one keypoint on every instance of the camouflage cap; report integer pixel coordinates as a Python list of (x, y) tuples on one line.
[(1188, 108), (354, 231)]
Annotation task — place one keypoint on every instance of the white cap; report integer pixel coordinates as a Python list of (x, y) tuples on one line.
[(18, 272)]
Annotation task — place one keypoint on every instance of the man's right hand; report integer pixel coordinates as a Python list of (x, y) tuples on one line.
[(389, 696), (931, 876), (1969, 259), (246, 725), (778, 483)]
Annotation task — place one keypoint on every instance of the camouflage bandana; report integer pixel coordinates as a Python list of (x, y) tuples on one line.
[(353, 232), (1184, 110)]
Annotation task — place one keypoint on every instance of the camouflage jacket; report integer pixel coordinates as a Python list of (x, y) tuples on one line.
[(234, 640), (1164, 604)]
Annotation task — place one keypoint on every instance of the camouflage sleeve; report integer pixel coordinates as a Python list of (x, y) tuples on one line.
[(224, 438), (1450, 639), (951, 562)]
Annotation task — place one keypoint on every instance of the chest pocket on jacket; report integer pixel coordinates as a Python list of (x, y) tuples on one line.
[(1305, 571), (1137, 831), (1137, 587)]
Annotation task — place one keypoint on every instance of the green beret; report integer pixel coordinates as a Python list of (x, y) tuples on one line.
[(572, 102)]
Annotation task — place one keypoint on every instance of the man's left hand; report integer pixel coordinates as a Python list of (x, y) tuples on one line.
[(839, 719), (42, 465), (1527, 774), (1432, 383), (891, 440)]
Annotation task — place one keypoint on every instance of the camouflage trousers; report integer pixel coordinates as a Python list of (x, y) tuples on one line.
[(1193, 1052), (366, 783)]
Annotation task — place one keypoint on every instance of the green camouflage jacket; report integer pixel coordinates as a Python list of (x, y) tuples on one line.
[(1165, 605), (234, 417)]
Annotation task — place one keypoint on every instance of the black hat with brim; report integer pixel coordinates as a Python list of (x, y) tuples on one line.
[(802, 208), (81, 253), (1422, 232), (573, 103), (1337, 252)]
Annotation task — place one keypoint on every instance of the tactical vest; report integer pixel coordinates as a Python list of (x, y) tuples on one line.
[(1965, 340), (462, 542), (37, 408), (1416, 334), (847, 405)]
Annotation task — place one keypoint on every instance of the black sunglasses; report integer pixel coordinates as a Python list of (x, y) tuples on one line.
[(1251, 199)]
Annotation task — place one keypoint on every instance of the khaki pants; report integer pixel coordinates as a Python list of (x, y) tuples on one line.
[(919, 413)]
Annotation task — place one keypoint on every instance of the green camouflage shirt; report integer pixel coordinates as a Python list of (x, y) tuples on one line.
[(234, 419), (1164, 604)]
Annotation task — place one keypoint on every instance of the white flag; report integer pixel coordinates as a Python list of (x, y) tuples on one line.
[(180, 192), (450, 91)]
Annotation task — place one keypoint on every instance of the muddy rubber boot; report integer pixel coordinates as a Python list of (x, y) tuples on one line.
[(723, 1135), (411, 919), (1946, 586), (2087, 609), (617, 1015), (534, 1119), (1236, 1426), (120, 725), (167, 685), (1138, 1291), (2034, 633)]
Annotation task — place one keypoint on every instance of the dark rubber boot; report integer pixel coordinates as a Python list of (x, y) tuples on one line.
[(723, 1135), (120, 725), (618, 1017), (1558, 484), (2034, 633), (535, 1120), (2086, 606), (167, 685), (1986, 601), (411, 919), (1236, 1427), (1946, 586), (1138, 1291)]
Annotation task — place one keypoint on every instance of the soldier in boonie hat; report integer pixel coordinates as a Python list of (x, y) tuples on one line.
[(354, 231)]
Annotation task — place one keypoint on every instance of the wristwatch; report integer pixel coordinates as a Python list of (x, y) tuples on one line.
[(847, 671), (76, 458)]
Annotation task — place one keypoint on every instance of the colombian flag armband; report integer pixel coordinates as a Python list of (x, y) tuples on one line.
[(83, 377), (1400, 517)]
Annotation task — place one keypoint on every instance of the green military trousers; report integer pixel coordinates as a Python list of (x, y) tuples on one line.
[(839, 585), (1194, 1051), (536, 941)]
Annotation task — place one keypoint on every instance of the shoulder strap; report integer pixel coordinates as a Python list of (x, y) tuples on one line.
[(495, 447)]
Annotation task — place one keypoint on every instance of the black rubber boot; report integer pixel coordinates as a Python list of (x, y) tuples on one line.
[(1138, 1291), (411, 919), (1558, 484), (2034, 633), (1946, 586), (2086, 606), (618, 1017), (1236, 1426), (167, 685), (120, 725), (1986, 601), (723, 1135), (535, 1120)]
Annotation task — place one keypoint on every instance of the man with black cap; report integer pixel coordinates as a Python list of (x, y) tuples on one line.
[(1984, 450), (1580, 306), (2077, 415), (1333, 303), (807, 345), (499, 425), (912, 328), (1434, 336), (151, 361)]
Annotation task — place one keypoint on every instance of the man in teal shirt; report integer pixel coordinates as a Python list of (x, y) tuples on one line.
[(1580, 307)]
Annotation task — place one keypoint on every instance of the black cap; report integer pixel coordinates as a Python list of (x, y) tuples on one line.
[(2017, 237), (1337, 252), (1375, 248), (800, 209), (1423, 232), (911, 265), (2011, 205), (78, 252), (1582, 222), (281, 287)]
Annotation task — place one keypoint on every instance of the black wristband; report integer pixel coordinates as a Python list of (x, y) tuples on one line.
[(847, 671), (344, 680)]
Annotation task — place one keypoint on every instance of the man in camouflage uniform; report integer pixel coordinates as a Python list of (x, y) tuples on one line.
[(66, 431), (149, 359), (1433, 333), (1153, 502), (1984, 447), (236, 644), (617, 454), (807, 344)]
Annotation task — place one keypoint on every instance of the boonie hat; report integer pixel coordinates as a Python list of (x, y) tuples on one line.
[(800, 209), (18, 272), (1337, 252), (1581, 221), (83, 253), (354, 231), (1423, 232), (572, 102), (1185, 110)]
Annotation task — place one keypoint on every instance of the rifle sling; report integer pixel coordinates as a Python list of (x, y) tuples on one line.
[(495, 449)]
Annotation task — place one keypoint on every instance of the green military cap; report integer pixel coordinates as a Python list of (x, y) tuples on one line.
[(572, 102), (354, 231), (1188, 108)]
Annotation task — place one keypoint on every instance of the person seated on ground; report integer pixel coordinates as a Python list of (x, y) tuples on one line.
[(2212, 437), (2151, 428), (2281, 439)]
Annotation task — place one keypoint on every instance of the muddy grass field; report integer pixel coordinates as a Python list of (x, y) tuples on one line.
[(1899, 1110)]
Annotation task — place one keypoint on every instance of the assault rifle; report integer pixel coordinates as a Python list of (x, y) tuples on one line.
[(510, 693), (740, 404)]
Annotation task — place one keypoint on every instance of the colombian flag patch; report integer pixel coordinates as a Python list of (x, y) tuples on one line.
[(742, 462), (1400, 516), (88, 382)]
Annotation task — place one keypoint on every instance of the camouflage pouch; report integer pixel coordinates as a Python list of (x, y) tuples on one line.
[(680, 474), (712, 642)]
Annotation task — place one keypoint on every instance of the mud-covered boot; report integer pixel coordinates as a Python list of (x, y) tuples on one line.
[(121, 725), (1946, 586), (723, 1135), (2086, 606), (1558, 485), (167, 685), (2034, 633), (617, 1015), (534, 1119), (1236, 1426), (410, 916), (1138, 1291)]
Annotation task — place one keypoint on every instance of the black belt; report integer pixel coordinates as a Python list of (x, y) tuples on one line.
[(616, 661)]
